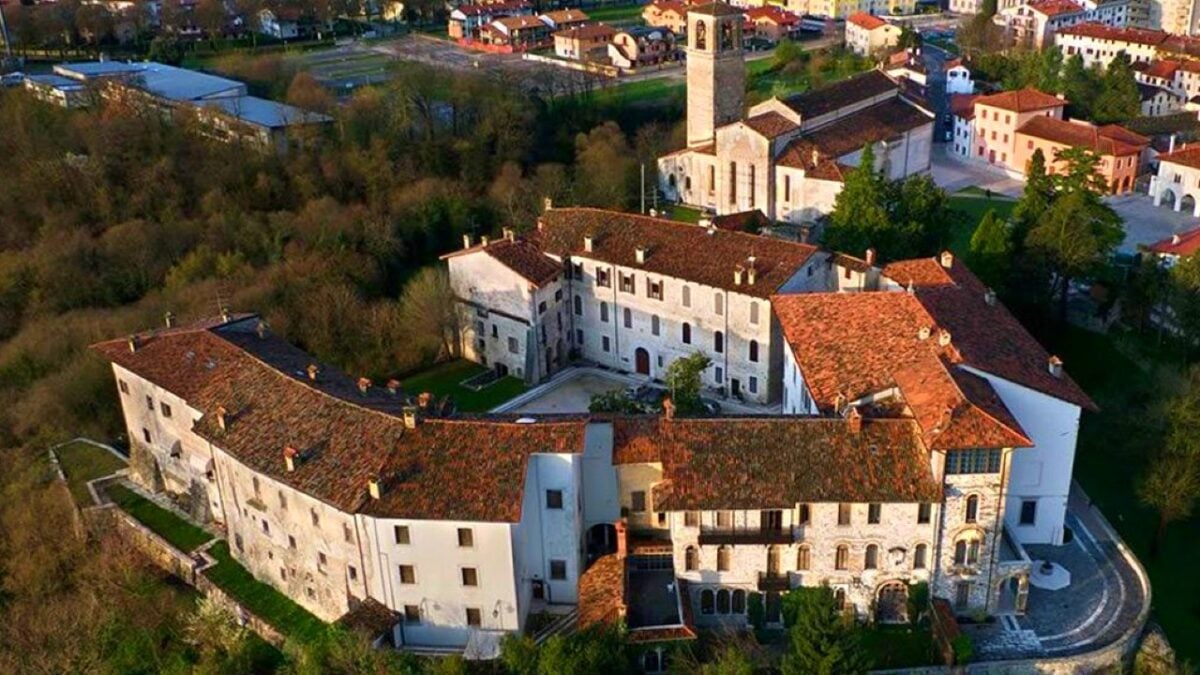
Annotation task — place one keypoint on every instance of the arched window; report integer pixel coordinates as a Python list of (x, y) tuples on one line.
[(691, 559), (687, 333), (719, 342), (839, 597), (972, 509), (723, 559), (803, 560), (966, 549), (739, 601), (871, 560), (706, 601), (723, 601), (654, 324), (842, 557), (628, 318), (919, 557), (754, 351), (960, 552)]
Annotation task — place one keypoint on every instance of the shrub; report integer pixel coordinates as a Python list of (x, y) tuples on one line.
[(964, 649), (756, 611)]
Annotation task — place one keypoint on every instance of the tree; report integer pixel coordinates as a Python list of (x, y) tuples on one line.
[(1145, 291), (730, 661), (991, 248), (306, 92), (615, 401), (1049, 74), (909, 38), (1035, 198), (1077, 233), (429, 310), (1118, 100), (684, 379), (596, 650), (166, 49), (860, 209), (1184, 299), (1171, 486), (604, 174), (1080, 86), (822, 641)]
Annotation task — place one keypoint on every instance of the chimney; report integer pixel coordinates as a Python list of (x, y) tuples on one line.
[(710, 229), (1056, 366), (133, 343), (289, 458), (424, 399), (410, 417), (363, 385), (393, 386), (869, 256), (1171, 145), (923, 333), (668, 408), (547, 203), (653, 213), (312, 371), (588, 242), (854, 420), (989, 296), (944, 337), (816, 157), (375, 488), (483, 241), (261, 329), (225, 315), (640, 252), (910, 288), (222, 419), (466, 241), (169, 319), (839, 404), (805, 233), (622, 538), (947, 259), (737, 275), (1175, 240), (509, 234), (704, 222), (751, 272)]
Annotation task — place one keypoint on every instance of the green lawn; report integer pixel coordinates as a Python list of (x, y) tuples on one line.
[(899, 646), (444, 379), (615, 13), (684, 214), (180, 533), (82, 462), (971, 210), (263, 600), (1129, 382)]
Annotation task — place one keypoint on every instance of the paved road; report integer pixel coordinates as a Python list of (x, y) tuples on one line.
[(953, 175), (1145, 224)]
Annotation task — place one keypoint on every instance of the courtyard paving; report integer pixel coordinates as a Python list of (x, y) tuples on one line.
[(1145, 223), (953, 175)]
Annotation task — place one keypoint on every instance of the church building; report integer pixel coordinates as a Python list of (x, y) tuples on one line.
[(788, 156)]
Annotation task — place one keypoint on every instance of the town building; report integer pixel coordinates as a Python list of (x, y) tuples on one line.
[(1177, 182), (1035, 24), (843, 9), (565, 19), (467, 22), (1176, 247), (771, 23), (516, 33), (1158, 101), (787, 156), (584, 43), (1177, 17), (1097, 44), (668, 14), (636, 47), (1180, 79), (869, 35)]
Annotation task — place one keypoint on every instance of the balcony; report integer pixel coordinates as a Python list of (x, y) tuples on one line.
[(773, 581), (717, 536)]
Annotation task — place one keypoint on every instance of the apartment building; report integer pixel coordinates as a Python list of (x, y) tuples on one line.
[(1035, 24), (869, 35)]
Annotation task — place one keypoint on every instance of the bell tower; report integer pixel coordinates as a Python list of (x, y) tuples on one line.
[(716, 71)]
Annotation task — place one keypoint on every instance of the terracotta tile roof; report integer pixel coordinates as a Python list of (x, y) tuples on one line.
[(876, 123), (1189, 66), (849, 262), (594, 31), (493, 9), (674, 249), (526, 259), (1100, 31), (963, 105), (560, 16), (1181, 44), (1182, 244), (519, 22), (602, 592), (1021, 100), (818, 102), (753, 463), (956, 409), (773, 14), (918, 272), (1164, 69), (802, 153), (664, 6), (1053, 8), (1185, 156), (1111, 140), (715, 9), (771, 124), (1149, 91), (344, 437), (864, 20), (744, 221)]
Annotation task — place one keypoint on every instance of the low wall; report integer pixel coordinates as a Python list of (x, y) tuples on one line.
[(584, 66)]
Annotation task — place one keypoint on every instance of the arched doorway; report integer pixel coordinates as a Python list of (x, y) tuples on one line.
[(1012, 594), (1187, 204), (642, 361), (891, 602), (1167, 198), (601, 540), (1126, 184)]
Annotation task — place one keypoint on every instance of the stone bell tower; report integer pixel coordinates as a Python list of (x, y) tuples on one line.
[(716, 71)]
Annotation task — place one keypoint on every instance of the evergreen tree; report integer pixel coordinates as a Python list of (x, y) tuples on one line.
[(1076, 233), (822, 640), (1050, 65), (860, 208), (909, 38), (1119, 100), (1035, 198), (1185, 299), (991, 249), (1079, 84)]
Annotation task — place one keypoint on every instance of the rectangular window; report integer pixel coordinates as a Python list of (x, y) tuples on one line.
[(754, 313), (123, 386), (691, 518), (554, 499), (753, 180), (347, 533), (466, 537), (962, 594), (843, 514), (291, 542), (733, 181), (787, 188), (719, 375), (407, 574), (146, 435), (282, 501), (686, 295), (604, 312), (627, 315), (973, 460), (1028, 512), (470, 576), (412, 614), (654, 289), (602, 278), (654, 325), (513, 345), (400, 532), (166, 409), (805, 514), (322, 561), (924, 513), (637, 501), (753, 384), (627, 283), (542, 307), (316, 519), (604, 343), (474, 618), (724, 519), (579, 336), (874, 511), (150, 403), (718, 304), (558, 570)]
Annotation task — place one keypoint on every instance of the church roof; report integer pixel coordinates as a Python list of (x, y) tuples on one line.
[(715, 9), (818, 102)]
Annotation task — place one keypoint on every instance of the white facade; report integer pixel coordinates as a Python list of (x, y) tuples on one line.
[(1101, 50), (1176, 185)]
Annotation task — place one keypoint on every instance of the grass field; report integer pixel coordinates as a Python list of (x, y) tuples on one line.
[(615, 13), (82, 462), (274, 607), (443, 379), (971, 207), (1128, 380), (183, 535)]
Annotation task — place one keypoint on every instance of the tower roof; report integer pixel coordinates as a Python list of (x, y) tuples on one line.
[(715, 9)]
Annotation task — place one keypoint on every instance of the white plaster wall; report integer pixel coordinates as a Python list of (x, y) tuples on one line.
[(601, 503), (796, 400), (641, 477)]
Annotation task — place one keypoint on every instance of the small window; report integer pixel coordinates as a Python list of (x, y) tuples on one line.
[(407, 574), (723, 557), (474, 618), (628, 316), (706, 601), (1028, 512), (146, 435), (962, 594), (805, 514), (753, 384), (266, 527), (627, 283), (803, 558), (558, 570), (352, 572), (291, 541), (602, 278), (514, 346), (605, 344), (150, 403), (739, 601), (686, 336), (724, 519), (874, 511), (924, 512), (347, 533), (542, 307), (691, 559), (687, 296), (719, 342), (919, 554), (166, 409), (718, 303), (466, 537), (322, 561), (691, 518), (972, 514), (871, 559), (654, 325), (282, 501), (400, 532), (604, 312), (841, 557), (843, 514), (754, 351), (554, 499), (470, 576), (578, 305), (412, 614), (316, 519), (754, 313), (123, 386), (638, 501), (654, 289), (723, 601), (719, 375)]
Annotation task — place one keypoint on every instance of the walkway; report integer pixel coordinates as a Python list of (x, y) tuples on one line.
[(1145, 223), (953, 175)]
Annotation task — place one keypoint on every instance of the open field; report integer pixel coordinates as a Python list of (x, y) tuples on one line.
[(971, 207), (444, 379), (82, 462)]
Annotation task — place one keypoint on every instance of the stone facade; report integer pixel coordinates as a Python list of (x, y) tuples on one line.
[(716, 75)]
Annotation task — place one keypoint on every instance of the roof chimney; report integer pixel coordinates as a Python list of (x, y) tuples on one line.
[(466, 241), (169, 319), (1171, 145), (989, 296), (839, 404), (854, 420), (944, 337), (816, 157), (1175, 240), (640, 252), (363, 385), (653, 213), (483, 241), (225, 314), (222, 420), (133, 343), (910, 288), (704, 222), (393, 386), (588, 242), (547, 203), (751, 272), (923, 333), (312, 371), (737, 275), (869, 256), (668, 407), (710, 228), (509, 234), (261, 329), (622, 538), (410, 417), (289, 458), (424, 399), (947, 259), (375, 487), (1056, 366)]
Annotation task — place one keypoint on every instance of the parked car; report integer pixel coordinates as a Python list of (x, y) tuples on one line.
[(12, 79)]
